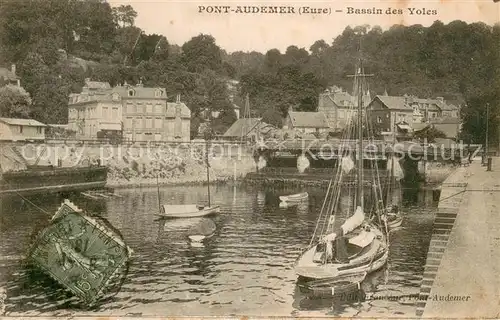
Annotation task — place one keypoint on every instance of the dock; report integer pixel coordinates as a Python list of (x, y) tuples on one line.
[(461, 276)]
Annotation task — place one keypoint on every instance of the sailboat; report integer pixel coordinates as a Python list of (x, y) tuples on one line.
[(341, 254), (189, 210)]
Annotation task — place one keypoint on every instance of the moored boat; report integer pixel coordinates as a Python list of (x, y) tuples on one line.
[(295, 198), (341, 285), (187, 211), (340, 250)]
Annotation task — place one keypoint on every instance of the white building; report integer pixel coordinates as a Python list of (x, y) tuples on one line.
[(12, 129)]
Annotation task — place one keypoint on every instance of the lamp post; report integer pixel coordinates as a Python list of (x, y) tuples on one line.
[(488, 158)]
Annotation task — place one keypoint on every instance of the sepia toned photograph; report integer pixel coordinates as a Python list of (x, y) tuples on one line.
[(164, 159)]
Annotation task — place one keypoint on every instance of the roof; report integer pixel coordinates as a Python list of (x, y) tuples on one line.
[(404, 126), (97, 85), (394, 102), (8, 75), (449, 129), (22, 122), (140, 92), (87, 97), (447, 120), (173, 108), (344, 99), (308, 119), (419, 126), (242, 127)]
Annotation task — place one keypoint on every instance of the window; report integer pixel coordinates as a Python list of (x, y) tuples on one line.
[(149, 108), (158, 108), (379, 119), (341, 114), (128, 122), (158, 93), (20, 129), (157, 136), (139, 109), (105, 112), (149, 122), (131, 93), (158, 122), (130, 108), (139, 122), (39, 130), (114, 114)]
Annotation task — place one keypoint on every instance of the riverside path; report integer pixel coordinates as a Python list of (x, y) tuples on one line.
[(462, 273)]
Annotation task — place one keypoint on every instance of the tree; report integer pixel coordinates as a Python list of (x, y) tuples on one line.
[(273, 117), (14, 102), (124, 15), (201, 53)]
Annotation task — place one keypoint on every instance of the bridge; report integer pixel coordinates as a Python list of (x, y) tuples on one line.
[(281, 157), (333, 148)]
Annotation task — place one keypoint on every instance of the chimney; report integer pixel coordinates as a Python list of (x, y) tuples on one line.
[(140, 83), (13, 69), (178, 98)]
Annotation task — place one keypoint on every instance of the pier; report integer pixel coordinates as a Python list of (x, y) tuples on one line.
[(463, 263)]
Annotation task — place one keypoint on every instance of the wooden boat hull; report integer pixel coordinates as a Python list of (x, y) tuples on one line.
[(193, 214), (333, 287), (373, 259), (294, 198), (52, 180)]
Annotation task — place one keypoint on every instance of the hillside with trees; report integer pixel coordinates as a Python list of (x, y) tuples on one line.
[(57, 44)]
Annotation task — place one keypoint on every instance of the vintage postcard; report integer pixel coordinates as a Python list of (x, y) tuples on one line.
[(165, 159)]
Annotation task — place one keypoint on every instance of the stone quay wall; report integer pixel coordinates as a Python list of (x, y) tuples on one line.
[(139, 164)]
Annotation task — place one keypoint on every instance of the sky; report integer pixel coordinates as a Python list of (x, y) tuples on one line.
[(179, 21)]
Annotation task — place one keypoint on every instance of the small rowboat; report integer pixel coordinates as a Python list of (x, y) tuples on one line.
[(331, 287), (187, 211), (295, 197)]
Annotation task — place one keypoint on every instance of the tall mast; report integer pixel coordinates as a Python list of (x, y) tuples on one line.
[(359, 76), (359, 194)]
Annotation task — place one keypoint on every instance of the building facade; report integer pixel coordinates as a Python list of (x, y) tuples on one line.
[(9, 77), (12, 129), (306, 122), (385, 112), (338, 106), (135, 113)]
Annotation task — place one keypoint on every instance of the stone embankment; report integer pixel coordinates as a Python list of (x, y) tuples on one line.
[(461, 277), (436, 172), (141, 165)]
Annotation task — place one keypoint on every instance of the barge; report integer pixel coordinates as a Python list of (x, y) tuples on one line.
[(50, 179)]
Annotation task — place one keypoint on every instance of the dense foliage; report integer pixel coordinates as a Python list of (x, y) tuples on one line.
[(458, 61)]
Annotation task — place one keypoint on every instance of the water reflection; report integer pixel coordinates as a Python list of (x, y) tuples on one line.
[(245, 268)]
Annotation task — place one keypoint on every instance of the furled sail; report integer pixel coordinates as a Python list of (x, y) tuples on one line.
[(262, 162), (347, 164), (398, 171), (302, 163), (354, 221)]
